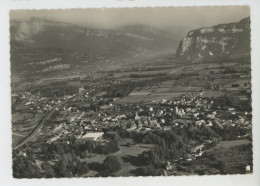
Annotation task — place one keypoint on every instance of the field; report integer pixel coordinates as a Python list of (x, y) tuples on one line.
[(147, 98), (127, 157), (235, 155), (167, 90), (18, 136), (140, 73), (229, 144), (210, 94), (192, 80), (25, 123), (227, 157), (16, 117)]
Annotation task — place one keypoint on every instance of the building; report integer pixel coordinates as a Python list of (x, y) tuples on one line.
[(168, 166), (81, 89), (137, 117), (248, 168), (93, 136)]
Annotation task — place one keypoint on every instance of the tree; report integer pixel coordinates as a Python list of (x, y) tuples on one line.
[(150, 170), (24, 168), (84, 168), (48, 170), (222, 167), (75, 166), (150, 157), (111, 164), (62, 170), (110, 147)]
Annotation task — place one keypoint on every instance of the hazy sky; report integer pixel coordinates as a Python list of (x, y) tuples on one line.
[(187, 17)]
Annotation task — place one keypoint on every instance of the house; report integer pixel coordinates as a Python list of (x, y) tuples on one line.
[(123, 116), (209, 124), (145, 123), (200, 122), (248, 168), (22, 153), (139, 124), (168, 166), (167, 127), (196, 115), (133, 127), (137, 117), (28, 103), (163, 101), (188, 109), (81, 89), (153, 122)]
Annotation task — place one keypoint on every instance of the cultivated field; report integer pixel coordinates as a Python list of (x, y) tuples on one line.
[(210, 94), (167, 90)]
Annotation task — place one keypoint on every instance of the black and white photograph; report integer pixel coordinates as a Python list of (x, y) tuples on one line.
[(115, 95), (131, 92)]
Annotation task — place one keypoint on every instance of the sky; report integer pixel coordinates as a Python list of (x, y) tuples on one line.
[(164, 18)]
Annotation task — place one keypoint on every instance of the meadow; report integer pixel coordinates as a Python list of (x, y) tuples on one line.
[(235, 155), (127, 156)]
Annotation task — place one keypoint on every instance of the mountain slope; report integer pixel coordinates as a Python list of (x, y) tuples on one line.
[(220, 40), (36, 32), (160, 38)]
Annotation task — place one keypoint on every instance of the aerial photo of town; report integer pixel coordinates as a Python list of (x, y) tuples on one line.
[(131, 92)]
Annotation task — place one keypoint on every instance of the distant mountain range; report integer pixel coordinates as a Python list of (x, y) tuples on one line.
[(231, 39), (41, 45), (132, 39)]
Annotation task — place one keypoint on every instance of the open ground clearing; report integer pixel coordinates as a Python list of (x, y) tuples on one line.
[(127, 157)]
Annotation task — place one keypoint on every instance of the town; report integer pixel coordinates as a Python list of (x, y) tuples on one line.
[(141, 98), (90, 115)]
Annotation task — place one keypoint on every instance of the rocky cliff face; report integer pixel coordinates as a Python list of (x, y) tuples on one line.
[(219, 40)]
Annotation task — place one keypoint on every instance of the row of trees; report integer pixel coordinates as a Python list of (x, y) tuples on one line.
[(175, 143), (67, 166), (50, 151), (68, 158)]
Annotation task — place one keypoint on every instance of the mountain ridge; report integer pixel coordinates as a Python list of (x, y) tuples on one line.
[(38, 32), (219, 40)]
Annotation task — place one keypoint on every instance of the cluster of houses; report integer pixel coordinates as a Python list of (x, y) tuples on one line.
[(162, 115), (33, 103)]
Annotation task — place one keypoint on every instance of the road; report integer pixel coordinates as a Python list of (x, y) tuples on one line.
[(44, 121), (32, 134)]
